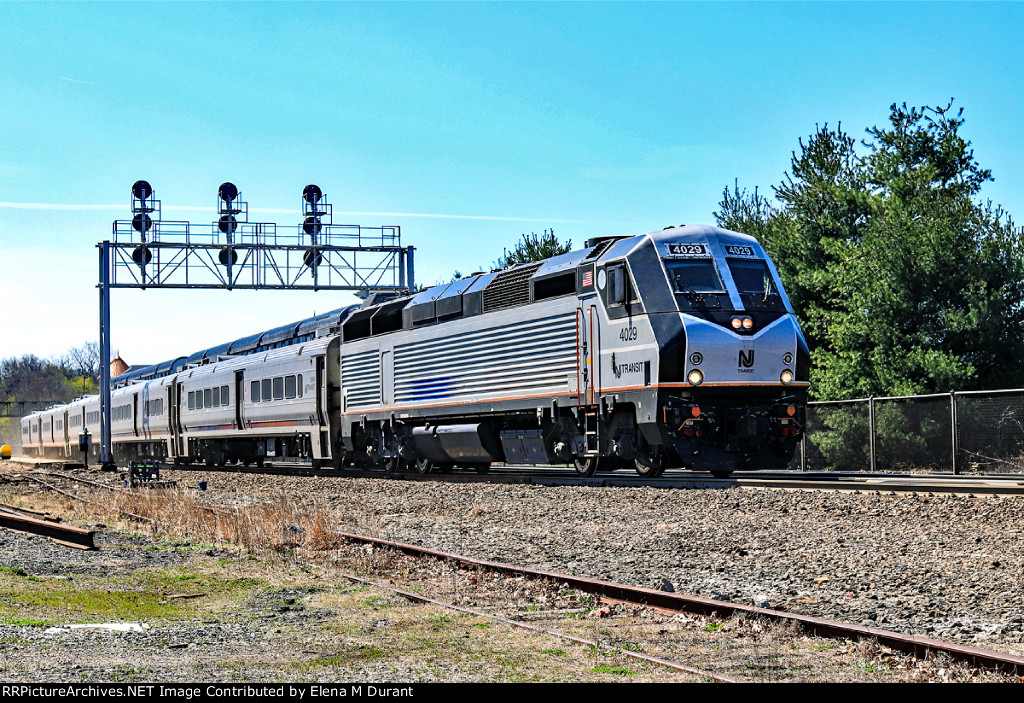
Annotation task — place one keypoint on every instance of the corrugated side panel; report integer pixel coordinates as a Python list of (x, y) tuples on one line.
[(360, 377), (513, 360)]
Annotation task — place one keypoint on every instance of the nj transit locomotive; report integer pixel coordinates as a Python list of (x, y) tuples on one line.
[(677, 348)]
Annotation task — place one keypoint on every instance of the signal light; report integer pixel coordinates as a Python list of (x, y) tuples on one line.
[(142, 255), (142, 222), (313, 258), (228, 192), (695, 377), (141, 190), (227, 255), (312, 194), (312, 225), (786, 377)]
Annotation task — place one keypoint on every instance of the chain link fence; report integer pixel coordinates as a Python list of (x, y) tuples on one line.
[(966, 432)]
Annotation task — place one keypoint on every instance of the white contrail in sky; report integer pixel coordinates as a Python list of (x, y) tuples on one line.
[(282, 211)]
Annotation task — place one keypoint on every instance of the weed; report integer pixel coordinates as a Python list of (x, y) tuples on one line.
[(872, 667), (713, 627), (616, 670), (440, 621)]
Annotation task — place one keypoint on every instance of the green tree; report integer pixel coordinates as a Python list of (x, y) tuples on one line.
[(904, 282), (534, 247), (43, 381)]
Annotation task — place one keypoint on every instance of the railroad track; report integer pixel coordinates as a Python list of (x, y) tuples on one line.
[(676, 602), (855, 482), (990, 484)]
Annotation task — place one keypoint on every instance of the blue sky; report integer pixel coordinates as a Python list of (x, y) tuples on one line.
[(603, 118)]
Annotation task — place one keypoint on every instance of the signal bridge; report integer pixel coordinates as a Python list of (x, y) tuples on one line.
[(234, 253)]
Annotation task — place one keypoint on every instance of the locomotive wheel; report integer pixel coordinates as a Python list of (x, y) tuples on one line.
[(424, 466), (648, 464), (586, 466)]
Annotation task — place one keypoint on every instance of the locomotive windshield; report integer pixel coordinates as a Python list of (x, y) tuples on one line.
[(755, 284), (694, 276), (696, 283)]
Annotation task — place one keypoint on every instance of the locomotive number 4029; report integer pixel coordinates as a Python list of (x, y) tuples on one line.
[(627, 334), (677, 249)]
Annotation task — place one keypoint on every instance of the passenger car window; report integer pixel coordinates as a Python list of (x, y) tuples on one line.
[(279, 388), (254, 391), (289, 386)]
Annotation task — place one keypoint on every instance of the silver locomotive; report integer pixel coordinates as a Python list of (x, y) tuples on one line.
[(677, 348)]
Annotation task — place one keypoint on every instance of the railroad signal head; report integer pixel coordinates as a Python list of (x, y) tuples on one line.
[(142, 222), (312, 258), (228, 192), (312, 194), (142, 190), (227, 224), (312, 225), (228, 255)]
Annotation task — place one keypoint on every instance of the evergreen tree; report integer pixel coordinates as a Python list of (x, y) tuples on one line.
[(534, 248), (904, 282)]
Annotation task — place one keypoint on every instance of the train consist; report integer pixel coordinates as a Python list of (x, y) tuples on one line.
[(677, 348)]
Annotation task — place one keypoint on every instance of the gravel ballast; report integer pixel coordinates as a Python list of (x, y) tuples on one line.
[(946, 567)]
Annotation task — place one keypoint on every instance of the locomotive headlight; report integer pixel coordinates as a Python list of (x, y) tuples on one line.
[(786, 377), (741, 322), (695, 377)]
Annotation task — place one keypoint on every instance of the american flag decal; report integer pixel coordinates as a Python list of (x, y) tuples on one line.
[(588, 278)]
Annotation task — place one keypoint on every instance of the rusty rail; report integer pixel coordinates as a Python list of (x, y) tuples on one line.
[(918, 646), (71, 536)]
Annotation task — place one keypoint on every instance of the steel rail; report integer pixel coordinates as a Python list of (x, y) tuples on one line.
[(554, 476), (913, 644), (64, 534)]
